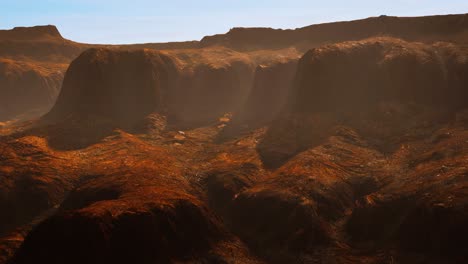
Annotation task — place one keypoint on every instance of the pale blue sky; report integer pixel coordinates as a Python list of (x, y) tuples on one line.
[(139, 21)]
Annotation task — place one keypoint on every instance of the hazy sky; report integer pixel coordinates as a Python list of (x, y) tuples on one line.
[(137, 21)]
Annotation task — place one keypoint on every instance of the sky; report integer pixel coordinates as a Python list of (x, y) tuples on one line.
[(142, 21)]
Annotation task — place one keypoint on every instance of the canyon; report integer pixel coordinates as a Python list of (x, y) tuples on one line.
[(343, 142)]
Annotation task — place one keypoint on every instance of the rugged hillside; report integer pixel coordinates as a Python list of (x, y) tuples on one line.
[(33, 61), (269, 94), (211, 83), (381, 70), (121, 195), (28, 87), (363, 140), (124, 87), (396, 84), (356, 152), (430, 28)]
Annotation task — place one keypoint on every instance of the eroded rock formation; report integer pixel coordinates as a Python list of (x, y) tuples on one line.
[(383, 87), (209, 87), (120, 86), (355, 153), (33, 61), (27, 87), (123, 87)]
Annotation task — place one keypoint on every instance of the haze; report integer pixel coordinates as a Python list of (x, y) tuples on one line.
[(141, 21)]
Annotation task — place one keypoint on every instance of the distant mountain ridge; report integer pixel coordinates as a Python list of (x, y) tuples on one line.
[(424, 28), (408, 28), (30, 33)]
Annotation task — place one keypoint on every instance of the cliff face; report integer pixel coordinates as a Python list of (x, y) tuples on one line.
[(126, 86), (383, 87), (356, 75), (121, 86), (270, 92), (26, 88), (212, 82)]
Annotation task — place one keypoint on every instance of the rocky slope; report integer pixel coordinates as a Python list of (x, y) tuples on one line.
[(28, 87), (364, 136), (354, 153), (381, 70), (33, 61), (395, 84), (120, 86)]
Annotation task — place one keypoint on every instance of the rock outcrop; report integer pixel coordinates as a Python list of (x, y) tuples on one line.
[(355, 75), (386, 117), (124, 86), (382, 87), (147, 214), (120, 86)]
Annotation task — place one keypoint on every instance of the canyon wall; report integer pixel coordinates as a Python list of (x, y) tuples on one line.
[(27, 87)]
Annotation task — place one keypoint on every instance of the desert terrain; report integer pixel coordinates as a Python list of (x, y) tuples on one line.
[(343, 142)]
